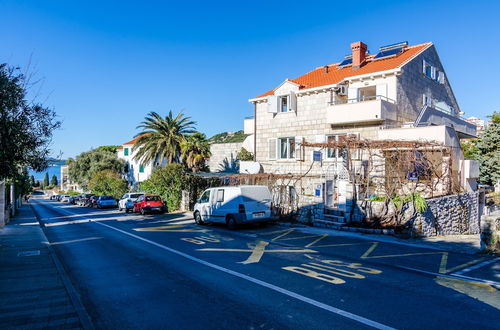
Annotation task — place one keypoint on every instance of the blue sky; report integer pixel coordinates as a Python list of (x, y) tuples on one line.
[(106, 64)]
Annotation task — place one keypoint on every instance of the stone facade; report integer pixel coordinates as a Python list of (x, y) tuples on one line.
[(223, 157), (450, 215)]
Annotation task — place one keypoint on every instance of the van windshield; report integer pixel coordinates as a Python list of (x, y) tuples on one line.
[(255, 194), (135, 195)]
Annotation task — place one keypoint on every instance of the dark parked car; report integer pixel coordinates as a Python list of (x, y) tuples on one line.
[(84, 199), (149, 203), (106, 201), (92, 201), (74, 199)]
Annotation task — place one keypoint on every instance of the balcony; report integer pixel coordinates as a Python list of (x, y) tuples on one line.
[(434, 115), (248, 125), (372, 109)]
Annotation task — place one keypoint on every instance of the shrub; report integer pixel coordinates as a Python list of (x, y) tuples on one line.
[(245, 155), (108, 182), (168, 182)]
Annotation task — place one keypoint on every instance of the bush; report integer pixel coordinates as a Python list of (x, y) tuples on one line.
[(168, 182), (245, 155), (108, 182)]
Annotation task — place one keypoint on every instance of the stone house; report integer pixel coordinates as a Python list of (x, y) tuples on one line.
[(399, 93)]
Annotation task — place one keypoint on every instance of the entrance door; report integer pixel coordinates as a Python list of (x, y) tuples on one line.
[(329, 193)]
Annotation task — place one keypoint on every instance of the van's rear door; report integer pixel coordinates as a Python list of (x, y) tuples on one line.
[(257, 201)]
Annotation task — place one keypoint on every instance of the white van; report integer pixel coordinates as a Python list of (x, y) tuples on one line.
[(234, 205)]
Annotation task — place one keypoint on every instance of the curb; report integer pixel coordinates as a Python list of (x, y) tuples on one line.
[(83, 316)]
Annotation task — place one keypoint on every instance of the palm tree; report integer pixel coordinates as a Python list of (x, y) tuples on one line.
[(161, 137), (194, 150)]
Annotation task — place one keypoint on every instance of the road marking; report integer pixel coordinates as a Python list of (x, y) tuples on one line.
[(444, 261), (256, 251), (483, 292), (370, 250), (469, 269), (270, 286), (284, 234), (316, 241), (173, 228)]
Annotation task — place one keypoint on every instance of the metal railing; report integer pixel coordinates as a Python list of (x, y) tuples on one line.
[(363, 99)]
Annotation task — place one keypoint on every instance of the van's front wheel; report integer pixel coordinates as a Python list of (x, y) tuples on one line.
[(197, 218), (230, 222)]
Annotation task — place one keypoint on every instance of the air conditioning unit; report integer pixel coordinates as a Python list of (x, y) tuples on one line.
[(342, 90)]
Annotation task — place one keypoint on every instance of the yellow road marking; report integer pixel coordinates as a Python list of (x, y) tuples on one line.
[(316, 241), (284, 234), (173, 228), (480, 291), (444, 262), (257, 251), (370, 250), (342, 244)]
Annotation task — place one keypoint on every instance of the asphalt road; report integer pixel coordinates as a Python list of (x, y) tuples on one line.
[(164, 271)]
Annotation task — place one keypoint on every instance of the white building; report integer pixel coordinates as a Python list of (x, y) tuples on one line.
[(393, 94), (66, 183), (135, 171)]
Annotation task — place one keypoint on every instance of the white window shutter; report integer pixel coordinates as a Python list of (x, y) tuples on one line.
[(352, 94), (441, 77), (425, 100), (273, 148), (433, 72), (272, 104), (298, 148), (423, 66), (293, 101), (381, 90)]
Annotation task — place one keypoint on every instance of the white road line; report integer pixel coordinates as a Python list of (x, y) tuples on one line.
[(310, 301), (479, 265)]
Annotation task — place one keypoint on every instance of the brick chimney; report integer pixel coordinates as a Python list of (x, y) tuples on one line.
[(358, 54)]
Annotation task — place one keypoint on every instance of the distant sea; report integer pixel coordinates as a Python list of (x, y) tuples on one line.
[(53, 169)]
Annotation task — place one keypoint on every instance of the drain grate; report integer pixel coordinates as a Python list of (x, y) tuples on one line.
[(29, 253)]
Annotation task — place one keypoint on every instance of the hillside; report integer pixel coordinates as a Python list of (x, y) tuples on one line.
[(228, 137)]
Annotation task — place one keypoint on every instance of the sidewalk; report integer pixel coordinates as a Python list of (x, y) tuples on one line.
[(34, 290), (468, 244)]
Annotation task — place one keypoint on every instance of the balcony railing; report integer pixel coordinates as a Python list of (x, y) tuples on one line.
[(373, 109), (363, 99)]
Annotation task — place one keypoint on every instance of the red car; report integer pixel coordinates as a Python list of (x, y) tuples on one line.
[(149, 203)]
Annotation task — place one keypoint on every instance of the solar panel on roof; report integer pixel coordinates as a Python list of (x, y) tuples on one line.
[(389, 52), (347, 61)]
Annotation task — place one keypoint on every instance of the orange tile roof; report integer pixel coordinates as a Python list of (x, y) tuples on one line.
[(318, 77), (134, 140), (120, 148)]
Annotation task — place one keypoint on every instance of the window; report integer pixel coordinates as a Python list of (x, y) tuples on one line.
[(432, 72), (286, 148), (367, 93), (220, 195), (205, 197), (153, 198), (283, 103), (125, 151), (141, 168), (336, 153)]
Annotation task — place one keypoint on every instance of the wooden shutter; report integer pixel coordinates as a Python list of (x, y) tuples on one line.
[(272, 104), (273, 148), (423, 67), (299, 155), (441, 77), (293, 102)]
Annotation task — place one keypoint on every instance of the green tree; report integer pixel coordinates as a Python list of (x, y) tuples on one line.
[(488, 145), (25, 126), (161, 138), (87, 164), (108, 182), (53, 181), (194, 150), (32, 181), (245, 155), (167, 182), (108, 148), (46, 179)]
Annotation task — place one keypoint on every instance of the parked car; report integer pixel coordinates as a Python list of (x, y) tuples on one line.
[(92, 201), (65, 198), (127, 201), (54, 197), (84, 199), (106, 201), (234, 205), (73, 199), (149, 203), (58, 198)]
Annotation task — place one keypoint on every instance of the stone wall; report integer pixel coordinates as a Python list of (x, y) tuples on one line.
[(449, 215), (223, 158)]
